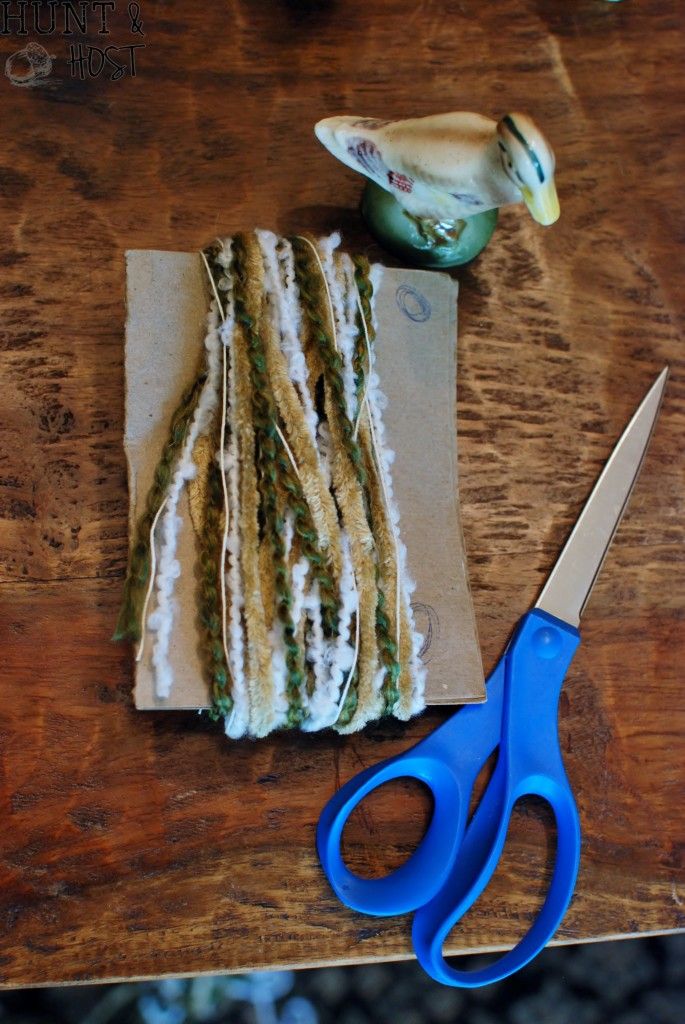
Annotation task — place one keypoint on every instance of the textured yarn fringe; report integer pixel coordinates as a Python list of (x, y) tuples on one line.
[(304, 600)]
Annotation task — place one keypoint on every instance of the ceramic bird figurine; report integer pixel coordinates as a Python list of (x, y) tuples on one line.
[(444, 169)]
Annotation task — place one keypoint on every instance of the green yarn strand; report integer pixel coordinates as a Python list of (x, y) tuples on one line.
[(388, 652), (129, 623), (305, 530), (265, 418), (312, 294), (365, 290), (209, 602)]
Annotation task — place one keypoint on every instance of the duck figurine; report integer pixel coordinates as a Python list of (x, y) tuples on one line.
[(436, 183)]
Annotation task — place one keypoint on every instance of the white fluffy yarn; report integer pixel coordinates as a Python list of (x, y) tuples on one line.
[(331, 660), (161, 620)]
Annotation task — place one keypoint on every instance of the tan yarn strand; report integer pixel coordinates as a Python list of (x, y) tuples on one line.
[(355, 659), (386, 543), (264, 405), (330, 313), (350, 502), (388, 520), (404, 708), (362, 400), (222, 467), (316, 492), (260, 675), (288, 450)]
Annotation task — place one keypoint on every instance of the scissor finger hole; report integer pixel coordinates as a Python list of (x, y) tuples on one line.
[(516, 891), (371, 847)]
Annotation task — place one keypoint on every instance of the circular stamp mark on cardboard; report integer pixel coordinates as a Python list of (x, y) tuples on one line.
[(413, 304)]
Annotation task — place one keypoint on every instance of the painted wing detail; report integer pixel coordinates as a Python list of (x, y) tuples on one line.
[(368, 156), (400, 182)]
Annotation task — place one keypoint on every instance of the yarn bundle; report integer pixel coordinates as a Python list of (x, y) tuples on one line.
[(303, 597)]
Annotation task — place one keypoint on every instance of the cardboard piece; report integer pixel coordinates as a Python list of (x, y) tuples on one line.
[(168, 299)]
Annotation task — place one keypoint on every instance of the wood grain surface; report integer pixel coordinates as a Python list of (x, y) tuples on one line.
[(146, 844)]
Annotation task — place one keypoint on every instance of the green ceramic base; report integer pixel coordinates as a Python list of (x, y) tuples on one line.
[(400, 234)]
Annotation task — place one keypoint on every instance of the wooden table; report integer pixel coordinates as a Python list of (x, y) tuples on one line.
[(146, 844)]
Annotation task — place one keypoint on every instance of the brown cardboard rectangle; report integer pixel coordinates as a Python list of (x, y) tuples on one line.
[(168, 300)]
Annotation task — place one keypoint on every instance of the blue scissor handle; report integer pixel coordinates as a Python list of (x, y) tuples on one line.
[(529, 763), (448, 762), (452, 866), (432, 922)]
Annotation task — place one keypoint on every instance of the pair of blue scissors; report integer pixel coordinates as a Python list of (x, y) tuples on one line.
[(456, 859)]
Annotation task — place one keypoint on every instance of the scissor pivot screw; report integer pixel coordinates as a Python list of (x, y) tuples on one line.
[(547, 642)]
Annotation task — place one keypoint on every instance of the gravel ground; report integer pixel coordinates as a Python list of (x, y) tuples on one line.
[(638, 981)]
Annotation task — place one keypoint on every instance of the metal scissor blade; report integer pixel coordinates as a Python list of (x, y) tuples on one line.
[(572, 578)]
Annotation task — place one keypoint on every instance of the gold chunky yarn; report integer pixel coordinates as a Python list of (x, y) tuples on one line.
[(304, 611)]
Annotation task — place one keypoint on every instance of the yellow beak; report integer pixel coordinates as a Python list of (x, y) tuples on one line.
[(543, 203)]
